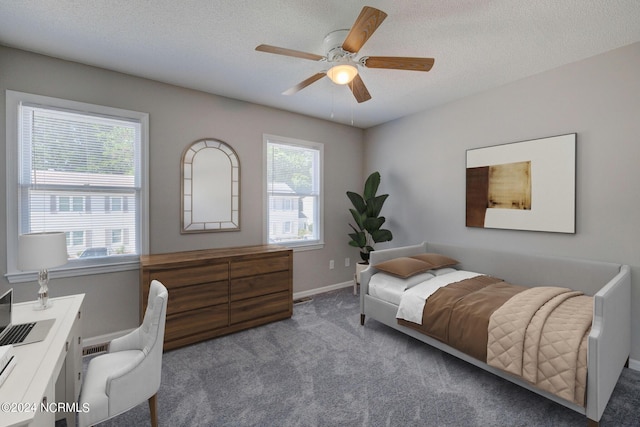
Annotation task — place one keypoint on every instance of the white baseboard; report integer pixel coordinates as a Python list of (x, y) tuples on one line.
[(634, 364), (100, 339), (303, 294)]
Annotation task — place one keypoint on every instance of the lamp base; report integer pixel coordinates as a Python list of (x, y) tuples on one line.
[(43, 293), (39, 307)]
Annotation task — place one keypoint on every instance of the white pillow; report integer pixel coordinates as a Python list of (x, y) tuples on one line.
[(389, 280), (441, 271), (390, 288)]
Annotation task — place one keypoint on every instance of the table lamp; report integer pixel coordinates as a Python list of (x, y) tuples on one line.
[(41, 251)]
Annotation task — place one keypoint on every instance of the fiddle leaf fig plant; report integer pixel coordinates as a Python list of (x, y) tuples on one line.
[(368, 230)]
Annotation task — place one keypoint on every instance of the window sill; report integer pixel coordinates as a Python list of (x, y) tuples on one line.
[(301, 247), (75, 271)]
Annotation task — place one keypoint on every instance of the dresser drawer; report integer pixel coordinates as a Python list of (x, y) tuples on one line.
[(263, 265), (253, 286), (254, 308), (196, 321), (197, 296), (186, 276)]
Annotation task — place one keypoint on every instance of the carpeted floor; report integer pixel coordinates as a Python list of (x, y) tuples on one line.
[(321, 368)]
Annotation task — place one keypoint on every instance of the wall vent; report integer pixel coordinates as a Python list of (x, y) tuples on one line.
[(95, 349)]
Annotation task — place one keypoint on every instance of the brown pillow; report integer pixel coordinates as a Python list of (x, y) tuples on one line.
[(436, 260), (403, 267)]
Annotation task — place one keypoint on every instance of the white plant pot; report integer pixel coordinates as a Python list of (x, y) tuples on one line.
[(359, 267)]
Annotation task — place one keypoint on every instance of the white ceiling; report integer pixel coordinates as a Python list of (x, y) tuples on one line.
[(209, 45)]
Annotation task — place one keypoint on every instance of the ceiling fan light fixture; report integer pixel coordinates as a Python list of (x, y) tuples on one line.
[(342, 74)]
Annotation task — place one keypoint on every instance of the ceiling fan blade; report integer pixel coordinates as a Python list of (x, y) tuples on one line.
[(289, 52), (367, 22), (398, 63), (304, 83), (359, 89)]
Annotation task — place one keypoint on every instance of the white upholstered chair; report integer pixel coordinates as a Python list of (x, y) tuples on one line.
[(130, 372)]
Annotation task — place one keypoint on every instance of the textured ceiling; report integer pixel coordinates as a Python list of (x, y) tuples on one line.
[(209, 45)]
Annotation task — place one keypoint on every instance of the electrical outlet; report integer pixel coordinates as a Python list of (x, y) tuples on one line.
[(347, 262), (332, 264)]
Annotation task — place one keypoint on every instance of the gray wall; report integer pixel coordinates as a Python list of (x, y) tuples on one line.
[(178, 117), (422, 161)]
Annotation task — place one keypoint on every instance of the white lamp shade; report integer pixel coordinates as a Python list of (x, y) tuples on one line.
[(40, 251), (342, 74)]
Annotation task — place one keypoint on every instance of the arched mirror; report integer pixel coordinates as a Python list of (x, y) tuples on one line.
[(210, 187)]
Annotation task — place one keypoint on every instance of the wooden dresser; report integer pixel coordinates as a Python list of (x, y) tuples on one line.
[(213, 292)]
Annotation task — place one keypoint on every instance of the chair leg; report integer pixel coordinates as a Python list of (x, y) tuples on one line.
[(153, 403)]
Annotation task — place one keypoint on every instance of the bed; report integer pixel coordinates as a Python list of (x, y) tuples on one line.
[(608, 285)]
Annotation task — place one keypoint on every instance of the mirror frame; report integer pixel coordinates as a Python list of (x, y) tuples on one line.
[(187, 177)]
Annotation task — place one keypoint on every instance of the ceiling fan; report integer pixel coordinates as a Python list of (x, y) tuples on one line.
[(341, 52)]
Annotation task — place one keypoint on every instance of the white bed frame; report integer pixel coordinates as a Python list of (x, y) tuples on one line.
[(609, 284)]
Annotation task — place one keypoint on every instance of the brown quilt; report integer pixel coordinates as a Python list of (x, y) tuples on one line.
[(492, 320), (458, 314)]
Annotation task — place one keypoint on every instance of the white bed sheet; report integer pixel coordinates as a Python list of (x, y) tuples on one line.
[(413, 299)]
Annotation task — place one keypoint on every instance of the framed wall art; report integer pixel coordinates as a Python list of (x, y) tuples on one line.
[(528, 185)]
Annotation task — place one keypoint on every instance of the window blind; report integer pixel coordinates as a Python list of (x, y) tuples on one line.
[(293, 192), (80, 173)]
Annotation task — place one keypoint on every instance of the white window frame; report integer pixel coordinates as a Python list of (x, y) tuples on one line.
[(79, 268), (299, 245)]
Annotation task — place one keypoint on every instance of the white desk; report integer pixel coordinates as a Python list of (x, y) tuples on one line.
[(48, 371)]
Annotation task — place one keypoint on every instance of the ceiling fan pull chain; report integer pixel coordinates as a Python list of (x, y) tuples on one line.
[(333, 100), (351, 113)]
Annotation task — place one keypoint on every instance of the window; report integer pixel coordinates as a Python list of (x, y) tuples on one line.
[(116, 236), (74, 238), (67, 204), (114, 204), (293, 192), (65, 155), (77, 203)]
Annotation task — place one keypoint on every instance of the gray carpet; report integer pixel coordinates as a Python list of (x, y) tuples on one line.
[(321, 368)]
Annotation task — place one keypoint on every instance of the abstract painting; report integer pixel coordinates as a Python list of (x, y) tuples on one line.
[(528, 185)]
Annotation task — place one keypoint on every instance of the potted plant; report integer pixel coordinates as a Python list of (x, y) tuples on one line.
[(368, 223)]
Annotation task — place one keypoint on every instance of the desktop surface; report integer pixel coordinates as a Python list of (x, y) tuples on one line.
[(38, 364)]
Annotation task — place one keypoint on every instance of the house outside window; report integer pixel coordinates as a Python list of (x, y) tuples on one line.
[(68, 157), (293, 192)]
